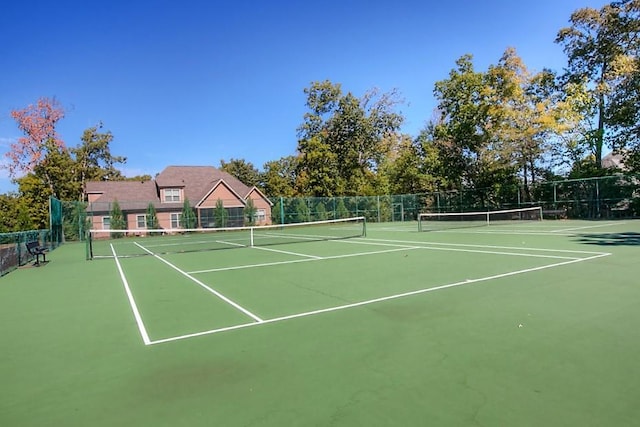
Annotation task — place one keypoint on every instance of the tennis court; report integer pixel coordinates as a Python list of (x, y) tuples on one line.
[(519, 322)]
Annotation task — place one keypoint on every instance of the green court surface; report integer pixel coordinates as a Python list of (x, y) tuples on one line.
[(523, 324)]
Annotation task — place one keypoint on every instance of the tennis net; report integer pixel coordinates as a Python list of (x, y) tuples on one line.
[(130, 243), (444, 221)]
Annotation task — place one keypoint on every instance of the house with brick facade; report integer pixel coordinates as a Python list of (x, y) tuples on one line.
[(202, 186)]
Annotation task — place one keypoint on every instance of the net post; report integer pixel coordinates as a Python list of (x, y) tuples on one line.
[(89, 246), (251, 237), (364, 227)]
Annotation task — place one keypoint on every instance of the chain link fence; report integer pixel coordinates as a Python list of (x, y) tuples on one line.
[(592, 198), (13, 250)]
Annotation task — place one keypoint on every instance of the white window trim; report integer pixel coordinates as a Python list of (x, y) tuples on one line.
[(174, 192), (108, 219), (178, 217), (144, 221)]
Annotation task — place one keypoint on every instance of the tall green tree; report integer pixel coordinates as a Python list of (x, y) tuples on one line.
[(276, 212), (410, 167), (152, 217), (321, 212), (250, 213), (220, 214), (243, 170), (461, 132), (93, 158), (599, 44), (34, 196), (317, 173), (341, 209), (341, 140), (303, 213), (524, 113), (280, 177), (15, 214), (117, 220), (188, 219)]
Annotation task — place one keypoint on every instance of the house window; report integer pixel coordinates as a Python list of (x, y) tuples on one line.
[(171, 194), (106, 222), (235, 217), (207, 218), (261, 214), (141, 221), (175, 219)]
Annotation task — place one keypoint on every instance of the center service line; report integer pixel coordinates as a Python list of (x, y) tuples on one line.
[(213, 291)]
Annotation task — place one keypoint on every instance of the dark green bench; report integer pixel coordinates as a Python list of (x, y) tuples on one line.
[(37, 251)]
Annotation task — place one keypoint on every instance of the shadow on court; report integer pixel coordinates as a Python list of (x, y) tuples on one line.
[(611, 239)]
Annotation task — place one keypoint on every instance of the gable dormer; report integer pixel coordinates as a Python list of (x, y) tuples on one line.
[(172, 195)]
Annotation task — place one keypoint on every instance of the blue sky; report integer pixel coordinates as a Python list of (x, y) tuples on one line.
[(194, 82)]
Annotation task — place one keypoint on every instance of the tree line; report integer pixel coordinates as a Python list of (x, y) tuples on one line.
[(500, 127)]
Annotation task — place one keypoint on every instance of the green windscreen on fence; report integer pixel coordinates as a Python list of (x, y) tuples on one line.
[(589, 198), (13, 251), (56, 222)]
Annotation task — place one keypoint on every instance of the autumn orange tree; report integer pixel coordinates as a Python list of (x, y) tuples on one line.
[(40, 142), (42, 165)]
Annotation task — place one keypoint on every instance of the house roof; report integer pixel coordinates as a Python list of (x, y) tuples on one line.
[(129, 194), (123, 190), (198, 181)]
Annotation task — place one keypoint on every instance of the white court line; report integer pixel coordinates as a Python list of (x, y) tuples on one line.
[(507, 232), (590, 226), (427, 246), (295, 261), (478, 251), (409, 245), (466, 245), (262, 248), (376, 300), (225, 242), (177, 242), (213, 291), (132, 302)]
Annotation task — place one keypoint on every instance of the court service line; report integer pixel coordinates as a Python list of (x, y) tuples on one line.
[(507, 232), (467, 245), (589, 226), (132, 302), (295, 261), (478, 251), (407, 245), (376, 300), (213, 291), (262, 248)]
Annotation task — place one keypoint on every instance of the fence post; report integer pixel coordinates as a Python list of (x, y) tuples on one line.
[(281, 210), (598, 197)]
